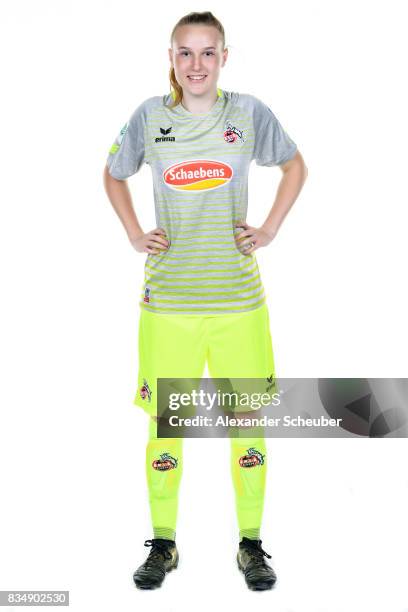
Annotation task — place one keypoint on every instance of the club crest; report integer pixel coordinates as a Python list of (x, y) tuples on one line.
[(145, 391), (232, 133)]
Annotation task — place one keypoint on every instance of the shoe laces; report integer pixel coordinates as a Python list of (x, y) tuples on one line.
[(159, 549), (255, 550)]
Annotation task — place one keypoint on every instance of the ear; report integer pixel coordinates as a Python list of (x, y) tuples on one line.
[(224, 57), (171, 56)]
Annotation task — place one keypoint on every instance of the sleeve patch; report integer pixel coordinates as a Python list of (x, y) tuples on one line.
[(122, 133), (118, 141)]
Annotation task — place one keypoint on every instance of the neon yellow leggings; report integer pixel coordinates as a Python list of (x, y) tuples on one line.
[(234, 345), (164, 467)]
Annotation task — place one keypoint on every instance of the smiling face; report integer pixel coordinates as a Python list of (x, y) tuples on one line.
[(197, 55)]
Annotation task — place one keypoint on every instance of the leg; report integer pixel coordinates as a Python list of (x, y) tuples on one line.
[(163, 470), (248, 471), (248, 464), (240, 346), (170, 346), (164, 466)]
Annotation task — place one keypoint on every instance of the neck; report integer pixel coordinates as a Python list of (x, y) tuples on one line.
[(199, 104)]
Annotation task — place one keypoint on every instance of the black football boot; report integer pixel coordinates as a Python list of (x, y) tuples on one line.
[(258, 574), (162, 558)]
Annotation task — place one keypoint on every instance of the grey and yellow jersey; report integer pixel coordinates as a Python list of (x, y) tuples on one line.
[(200, 165)]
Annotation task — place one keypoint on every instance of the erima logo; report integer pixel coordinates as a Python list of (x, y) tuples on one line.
[(165, 138), (271, 381)]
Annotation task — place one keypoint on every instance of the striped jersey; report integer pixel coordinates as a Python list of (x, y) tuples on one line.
[(200, 165)]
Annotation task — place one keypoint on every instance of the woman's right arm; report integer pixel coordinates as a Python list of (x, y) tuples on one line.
[(121, 200)]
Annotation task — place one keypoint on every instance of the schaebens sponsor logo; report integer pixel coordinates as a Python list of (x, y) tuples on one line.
[(197, 175)]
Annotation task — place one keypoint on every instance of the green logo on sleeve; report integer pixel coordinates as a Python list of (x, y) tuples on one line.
[(116, 145)]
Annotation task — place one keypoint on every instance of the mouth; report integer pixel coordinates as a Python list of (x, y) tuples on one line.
[(196, 78)]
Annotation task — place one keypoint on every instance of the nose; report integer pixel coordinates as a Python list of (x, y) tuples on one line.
[(196, 63)]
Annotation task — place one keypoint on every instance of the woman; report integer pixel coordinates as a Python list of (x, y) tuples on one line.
[(202, 299)]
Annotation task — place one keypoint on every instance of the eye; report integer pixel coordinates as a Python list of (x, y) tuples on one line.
[(185, 53)]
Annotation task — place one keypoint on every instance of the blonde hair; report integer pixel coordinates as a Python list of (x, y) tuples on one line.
[(205, 18)]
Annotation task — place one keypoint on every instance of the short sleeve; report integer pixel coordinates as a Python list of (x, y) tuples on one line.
[(127, 153), (273, 146)]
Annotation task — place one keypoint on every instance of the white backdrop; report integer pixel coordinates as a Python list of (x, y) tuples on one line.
[(74, 510)]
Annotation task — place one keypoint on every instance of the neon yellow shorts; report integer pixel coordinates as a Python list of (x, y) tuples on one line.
[(234, 345)]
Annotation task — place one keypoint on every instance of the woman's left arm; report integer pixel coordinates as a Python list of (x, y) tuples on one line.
[(292, 181)]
